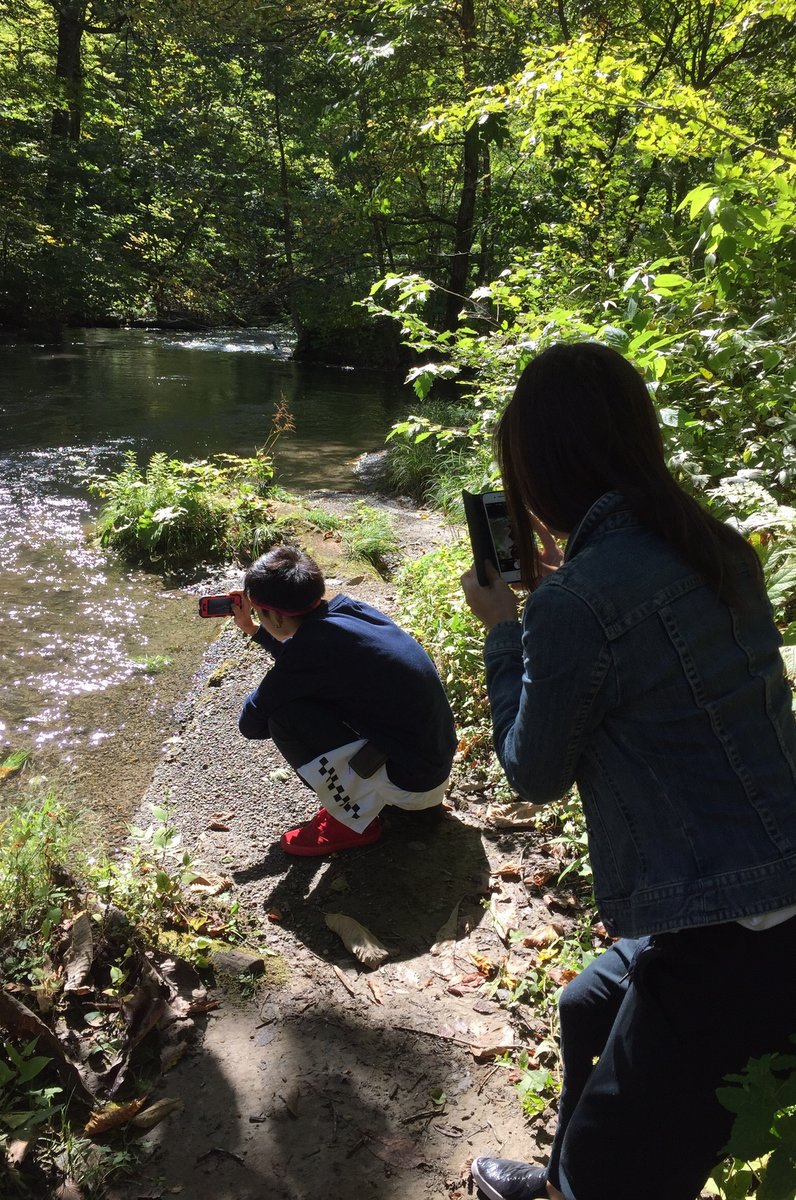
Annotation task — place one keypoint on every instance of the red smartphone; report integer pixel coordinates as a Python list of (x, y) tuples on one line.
[(216, 606)]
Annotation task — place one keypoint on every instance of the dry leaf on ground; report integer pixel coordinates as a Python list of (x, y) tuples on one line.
[(546, 935), (357, 939), (375, 989), (80, 954), (112, 1117), (156, 1113), (518, 814), (341, 975), (485, 965), (493, 1043)]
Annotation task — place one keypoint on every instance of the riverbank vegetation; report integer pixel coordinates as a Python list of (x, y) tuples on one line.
[(179, 516), (103, 960)]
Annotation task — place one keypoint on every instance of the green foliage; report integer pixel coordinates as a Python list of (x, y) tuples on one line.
[(763, 1139), (536, 1085), (35, 842), (432, 608), (152, 664), (25, 1102), (148, 882), (370, 537), (183, 513)]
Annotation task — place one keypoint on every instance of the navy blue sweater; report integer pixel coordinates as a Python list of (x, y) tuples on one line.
[(374, 677)]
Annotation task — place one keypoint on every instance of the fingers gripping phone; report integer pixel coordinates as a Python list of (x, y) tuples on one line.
[(217, 606)]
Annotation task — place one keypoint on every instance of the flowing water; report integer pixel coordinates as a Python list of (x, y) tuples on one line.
[(94, 656)]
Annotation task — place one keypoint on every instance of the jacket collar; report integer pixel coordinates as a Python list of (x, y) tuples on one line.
[(611, 511)]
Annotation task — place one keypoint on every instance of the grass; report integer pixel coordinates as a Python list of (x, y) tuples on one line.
[(369, 537)]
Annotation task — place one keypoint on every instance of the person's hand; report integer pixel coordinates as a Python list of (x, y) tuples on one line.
[(491, 604), (242, 613), (551, 556)]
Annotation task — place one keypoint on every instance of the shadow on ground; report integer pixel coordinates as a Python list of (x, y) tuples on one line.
[(308, 1102), (404, 888)]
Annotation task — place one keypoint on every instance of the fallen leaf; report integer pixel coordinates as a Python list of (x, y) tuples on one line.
[(561, 976), (357, 939), (341, 975), (541, 876), (80, 953), (68, 1190), (202, 1006), (17, 1150), (156, 1113), (493, 1044), (508, 871), (445, 940), (484, 964), (112, 1116), (566, 902), (519, 814), (546, 935), (372, 984)]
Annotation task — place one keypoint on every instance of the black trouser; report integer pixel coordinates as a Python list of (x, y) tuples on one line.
[(303, 730), (667, 1018)]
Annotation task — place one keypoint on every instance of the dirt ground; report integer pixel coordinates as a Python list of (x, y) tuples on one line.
[(335, 1081)]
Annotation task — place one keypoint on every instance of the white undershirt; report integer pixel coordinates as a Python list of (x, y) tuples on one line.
[(768, 920)]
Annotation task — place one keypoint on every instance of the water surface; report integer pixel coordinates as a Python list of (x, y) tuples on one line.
[(94, 655)]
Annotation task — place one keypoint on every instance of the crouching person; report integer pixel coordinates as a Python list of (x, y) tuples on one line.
[(352, 702)]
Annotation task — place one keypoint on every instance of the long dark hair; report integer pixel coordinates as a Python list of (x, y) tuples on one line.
[(581, 423)]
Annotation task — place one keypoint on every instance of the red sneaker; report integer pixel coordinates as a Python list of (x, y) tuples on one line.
[(324, 834)]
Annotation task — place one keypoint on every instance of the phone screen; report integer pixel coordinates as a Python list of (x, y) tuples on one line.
[(500, 531)]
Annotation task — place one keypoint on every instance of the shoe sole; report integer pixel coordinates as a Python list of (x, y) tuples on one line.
[(483, 1186)]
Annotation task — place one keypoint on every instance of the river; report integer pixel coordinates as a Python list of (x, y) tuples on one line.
[(95, 656)]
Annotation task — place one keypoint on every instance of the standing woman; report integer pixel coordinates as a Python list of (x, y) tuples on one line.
[(646, 669)]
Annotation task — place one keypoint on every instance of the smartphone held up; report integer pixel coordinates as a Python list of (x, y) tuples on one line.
[(491, 535), (218, 606)]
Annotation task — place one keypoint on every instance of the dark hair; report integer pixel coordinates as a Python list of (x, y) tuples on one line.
[(285, 578), (581, 423)]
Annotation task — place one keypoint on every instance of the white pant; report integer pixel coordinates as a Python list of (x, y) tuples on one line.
[(355, 801)]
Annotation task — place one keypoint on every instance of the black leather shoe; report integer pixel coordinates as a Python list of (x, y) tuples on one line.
[(503, 1179)]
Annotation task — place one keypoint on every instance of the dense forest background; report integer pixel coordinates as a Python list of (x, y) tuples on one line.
[(445, 185), (227, 162)]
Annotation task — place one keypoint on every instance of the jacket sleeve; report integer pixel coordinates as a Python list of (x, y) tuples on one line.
[(254, 716), (549, 683), (256, 711)]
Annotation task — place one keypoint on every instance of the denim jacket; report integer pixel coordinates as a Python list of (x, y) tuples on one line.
[(672, 714)]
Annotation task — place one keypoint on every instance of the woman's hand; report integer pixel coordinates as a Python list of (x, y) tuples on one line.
[(242, 613), (491, 604)]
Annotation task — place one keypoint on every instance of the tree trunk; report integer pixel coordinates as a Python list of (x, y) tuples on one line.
[(287, 213), (463, 237)]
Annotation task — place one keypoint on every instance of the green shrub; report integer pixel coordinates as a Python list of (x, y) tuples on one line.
[(182, 513), (763, 1139), (35, 841), (432, 607), (370, 537)]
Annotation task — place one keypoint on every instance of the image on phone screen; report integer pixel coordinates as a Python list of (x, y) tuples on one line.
[(500, 532)]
